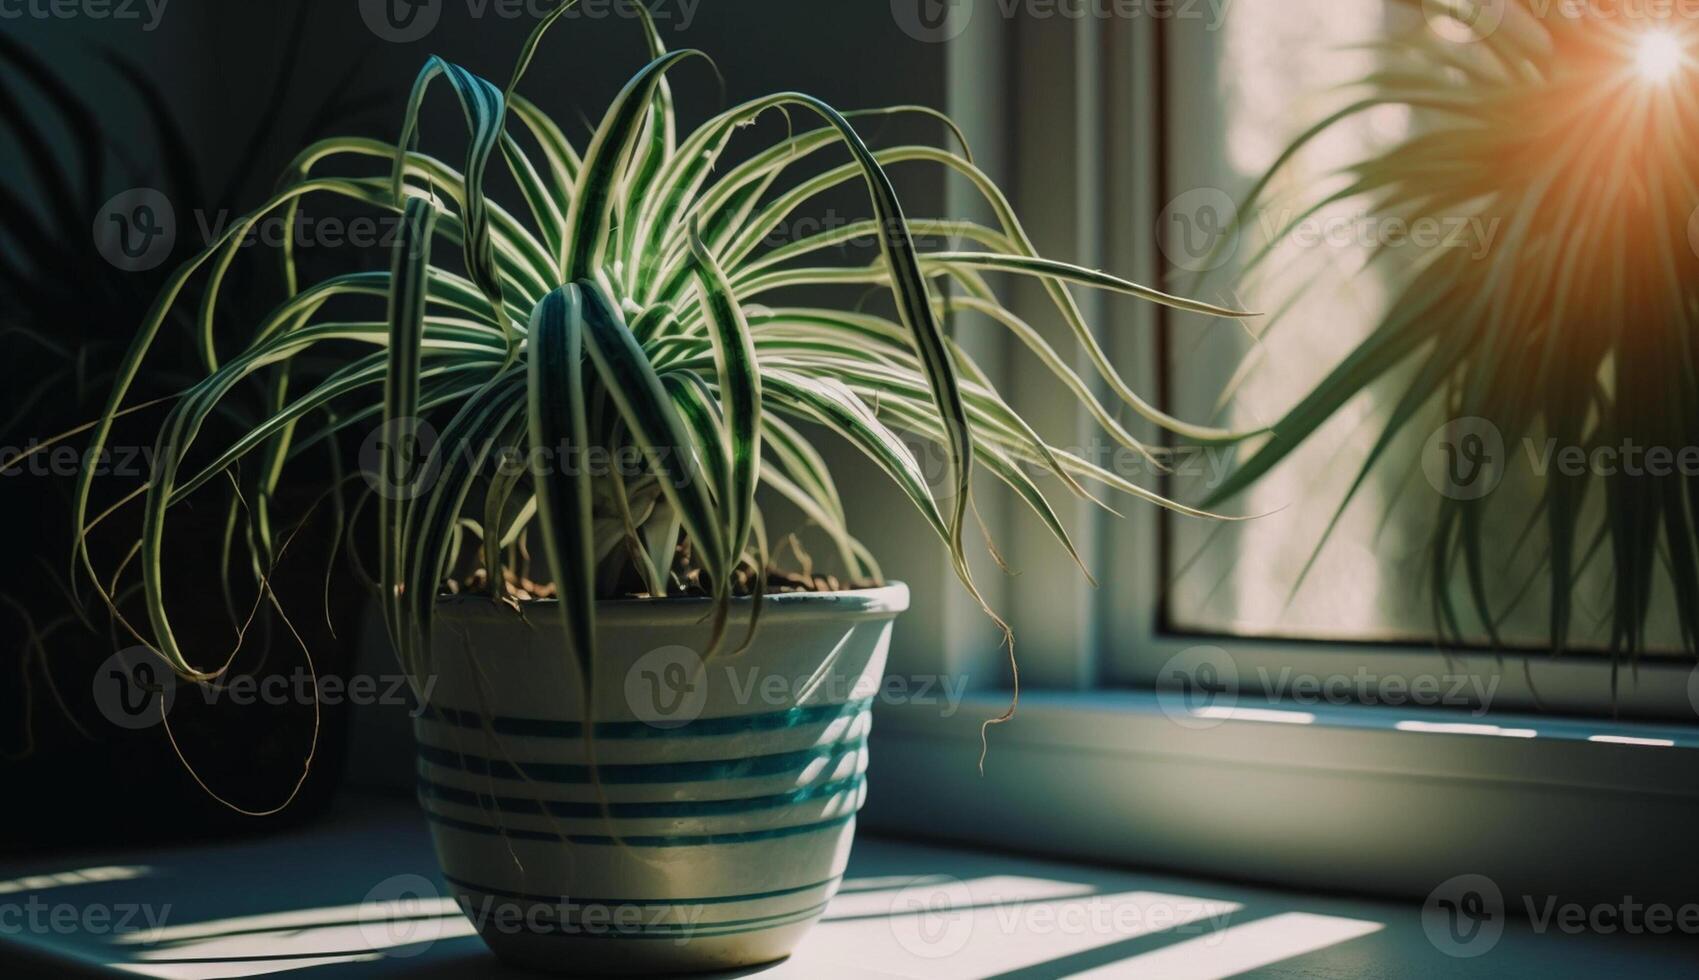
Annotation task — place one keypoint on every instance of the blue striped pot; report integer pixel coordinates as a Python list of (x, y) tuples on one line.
[(717, 819)]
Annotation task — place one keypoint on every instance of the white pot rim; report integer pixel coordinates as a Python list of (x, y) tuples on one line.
[(883, 602)]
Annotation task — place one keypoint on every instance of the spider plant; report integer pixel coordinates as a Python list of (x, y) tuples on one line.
[(623, 306), (1576, 325)]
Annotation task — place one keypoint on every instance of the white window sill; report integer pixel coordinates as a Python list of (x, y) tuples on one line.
[(290, 904), (1331, 798)]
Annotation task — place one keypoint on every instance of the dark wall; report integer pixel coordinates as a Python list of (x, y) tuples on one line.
[(217, 60)]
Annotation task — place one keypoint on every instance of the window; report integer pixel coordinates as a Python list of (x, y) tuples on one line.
[(1341, 732), (1286, 590)]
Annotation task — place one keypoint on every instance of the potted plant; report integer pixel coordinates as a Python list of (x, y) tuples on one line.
[(595, 379)]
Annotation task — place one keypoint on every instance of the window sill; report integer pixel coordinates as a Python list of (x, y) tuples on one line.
[(293, 904), (1339, 798)]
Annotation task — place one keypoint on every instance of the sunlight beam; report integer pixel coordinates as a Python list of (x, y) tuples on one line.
[(1240, 949), (1659, 56)]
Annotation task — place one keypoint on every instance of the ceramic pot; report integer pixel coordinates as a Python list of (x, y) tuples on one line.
[(716, 821)]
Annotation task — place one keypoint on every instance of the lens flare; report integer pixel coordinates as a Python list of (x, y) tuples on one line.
[(1660, 56)]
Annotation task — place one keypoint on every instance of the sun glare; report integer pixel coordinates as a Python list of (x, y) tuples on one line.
[(1660, 55)]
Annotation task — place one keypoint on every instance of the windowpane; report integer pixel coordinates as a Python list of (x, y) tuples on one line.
[(1238, 97)]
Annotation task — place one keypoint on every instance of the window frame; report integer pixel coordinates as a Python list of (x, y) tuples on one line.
[(1141, 640), (1123, 76)]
